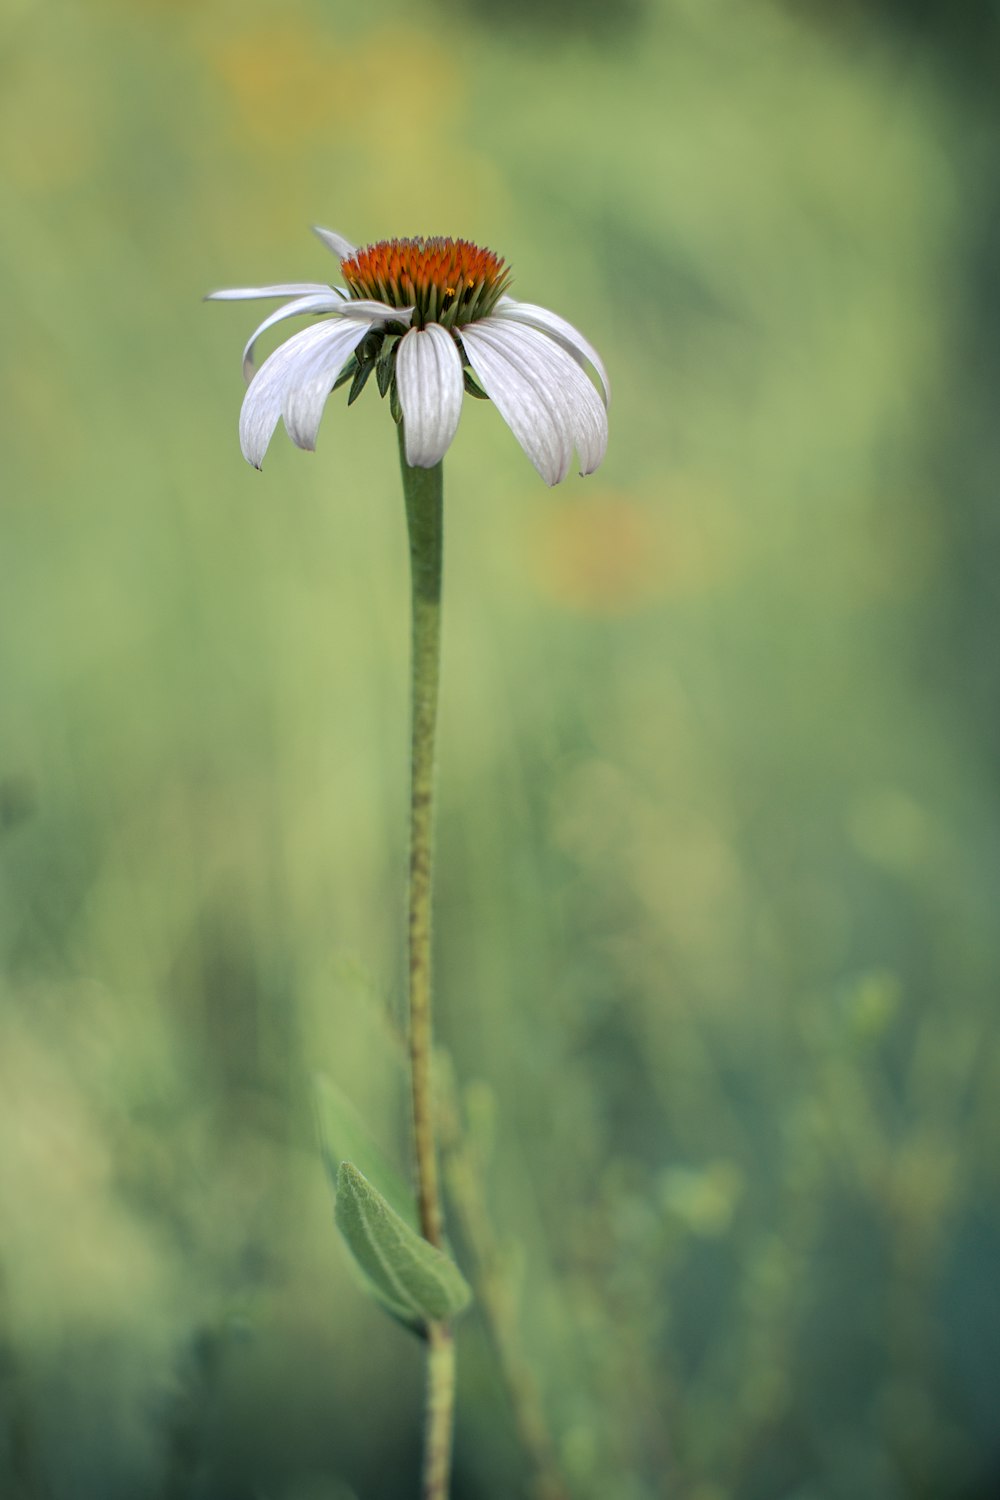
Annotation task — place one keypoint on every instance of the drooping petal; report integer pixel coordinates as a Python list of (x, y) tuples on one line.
[(342, 249), (570, 338), (290, 362), (321, 302), (590, 416), (374, 312), (533, 384), (306, 392), (583, 408), (429, 376), (287, 289)]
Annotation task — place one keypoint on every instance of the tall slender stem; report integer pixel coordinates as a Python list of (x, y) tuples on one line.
[(423, 492), (422, 489)]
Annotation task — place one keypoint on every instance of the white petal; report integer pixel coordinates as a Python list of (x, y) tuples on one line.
[(342, 249), (289, 363), (570, 338), (312, 381), (287, 289), (585, 408), (429, 376), (322, 302), (541, 393), (374, 312)]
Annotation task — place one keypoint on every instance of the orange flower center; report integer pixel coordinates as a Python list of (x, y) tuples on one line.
[(448, 281)]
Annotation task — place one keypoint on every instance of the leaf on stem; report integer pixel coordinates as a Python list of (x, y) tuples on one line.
[(413, 1280), (344, 1136)]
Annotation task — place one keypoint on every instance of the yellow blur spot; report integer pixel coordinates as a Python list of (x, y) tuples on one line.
[(292, 85), (605, 552)]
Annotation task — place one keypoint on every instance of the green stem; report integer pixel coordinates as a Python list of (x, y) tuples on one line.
[(440, 1410), (422, 489)]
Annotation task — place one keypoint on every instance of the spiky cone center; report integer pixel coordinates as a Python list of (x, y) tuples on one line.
[(451, 282)]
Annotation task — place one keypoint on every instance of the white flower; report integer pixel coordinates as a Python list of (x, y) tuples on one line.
[(423, 314)]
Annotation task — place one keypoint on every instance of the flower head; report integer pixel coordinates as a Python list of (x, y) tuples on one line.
[(431, 318)]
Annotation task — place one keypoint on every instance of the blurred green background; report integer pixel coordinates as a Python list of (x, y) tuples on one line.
[(719, 855)]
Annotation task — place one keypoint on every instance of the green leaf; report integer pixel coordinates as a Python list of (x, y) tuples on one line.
[(412, 1279), (344, 1136)]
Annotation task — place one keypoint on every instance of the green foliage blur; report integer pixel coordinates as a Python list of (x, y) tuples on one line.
[(716, 922)]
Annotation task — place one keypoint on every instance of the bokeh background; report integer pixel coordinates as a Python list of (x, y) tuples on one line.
[(719, 855)]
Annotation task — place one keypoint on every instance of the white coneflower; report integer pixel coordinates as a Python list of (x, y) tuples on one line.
[(422, 314), (430, 318)]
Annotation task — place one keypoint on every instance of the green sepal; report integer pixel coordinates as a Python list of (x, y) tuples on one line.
[(385, 369), (413, 1280), (473, 388), (347, 373), (360, 380), (394, 406), (344, 1136)]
